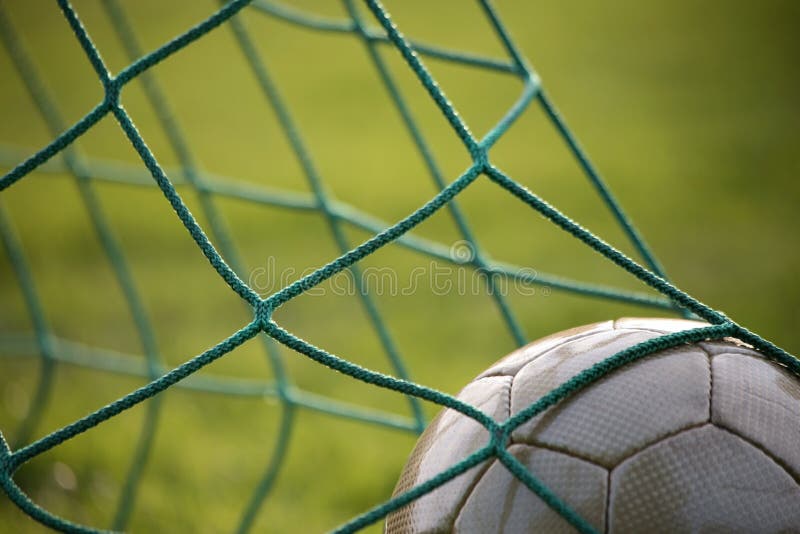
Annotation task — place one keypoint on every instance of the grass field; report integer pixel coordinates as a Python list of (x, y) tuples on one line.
[(689, 110)]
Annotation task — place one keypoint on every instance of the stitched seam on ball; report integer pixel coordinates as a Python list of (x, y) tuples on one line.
[(779, 462), (515, 479), (508, 398), (659, 440), (484, 470), (614, 328), (710, 384), (607, 510)]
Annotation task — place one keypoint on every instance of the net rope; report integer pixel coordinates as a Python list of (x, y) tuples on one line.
[(224, 257)]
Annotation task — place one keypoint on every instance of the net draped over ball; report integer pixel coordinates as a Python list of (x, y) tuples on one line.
[(702, 437)]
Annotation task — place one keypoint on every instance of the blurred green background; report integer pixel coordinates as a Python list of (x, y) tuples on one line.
[(689, 110)]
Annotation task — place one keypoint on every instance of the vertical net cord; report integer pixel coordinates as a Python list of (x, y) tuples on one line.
[(292, 133), (425, 151), (44, 337), (113, 252), (158, 101), (578, 152), (589, 169), (483, 166), (106, 238), (263, 308), (300, 398), (430, 85), (113, 87)]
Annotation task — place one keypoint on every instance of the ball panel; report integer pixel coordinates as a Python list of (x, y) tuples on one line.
[(499, 502), (649, 422), (760, 401), (620, 413), (703, 480), (437, 450), (511, 364)]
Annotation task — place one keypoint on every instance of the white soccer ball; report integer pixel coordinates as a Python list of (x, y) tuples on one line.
[(704, 437)]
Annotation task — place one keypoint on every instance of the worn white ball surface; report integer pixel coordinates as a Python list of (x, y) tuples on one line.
[(703, 437)]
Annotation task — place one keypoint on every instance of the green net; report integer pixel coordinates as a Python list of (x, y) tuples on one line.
[(225, 259)]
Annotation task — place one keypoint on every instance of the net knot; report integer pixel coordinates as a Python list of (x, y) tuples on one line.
[(479, 157), (500, 438), (263, 312), (112, 88)]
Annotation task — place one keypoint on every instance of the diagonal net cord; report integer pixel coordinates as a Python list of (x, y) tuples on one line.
[(321, 197), (11, 460), (223, 186), (477, 259), (114, 173)]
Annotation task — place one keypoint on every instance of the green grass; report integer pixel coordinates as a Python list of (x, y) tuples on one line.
[(689, 111)]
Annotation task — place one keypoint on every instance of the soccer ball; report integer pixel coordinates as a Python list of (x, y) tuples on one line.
[(704, 437)]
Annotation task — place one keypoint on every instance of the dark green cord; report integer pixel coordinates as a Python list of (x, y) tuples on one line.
[(86, 171)]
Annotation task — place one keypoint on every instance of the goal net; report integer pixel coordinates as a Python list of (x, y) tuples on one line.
[(383, 42)]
